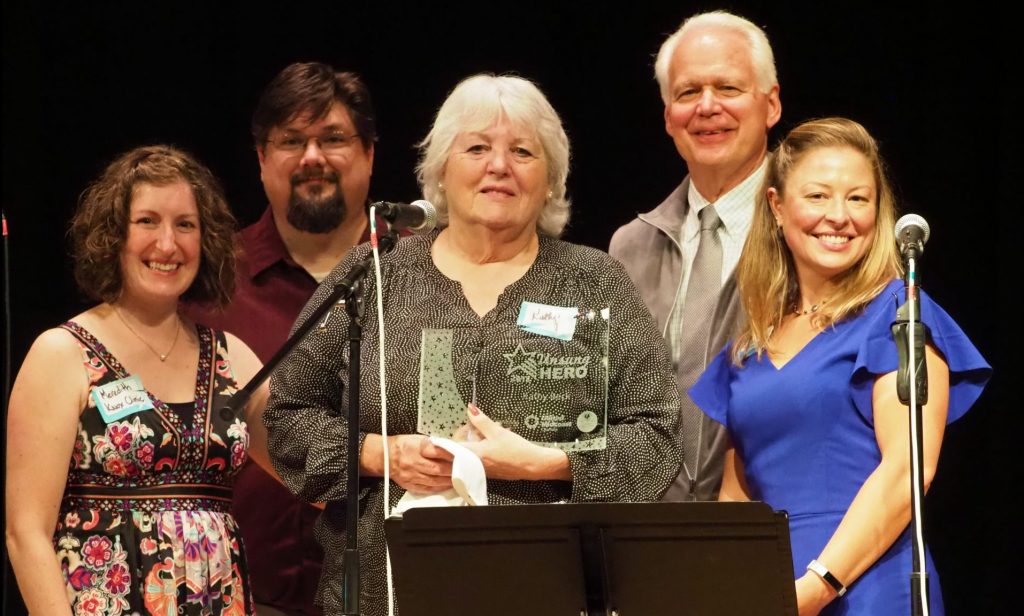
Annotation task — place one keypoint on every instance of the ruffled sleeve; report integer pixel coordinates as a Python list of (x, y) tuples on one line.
[(711, 391), (968, 370)]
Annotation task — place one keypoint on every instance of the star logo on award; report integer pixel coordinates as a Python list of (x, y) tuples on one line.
[(522, 366)]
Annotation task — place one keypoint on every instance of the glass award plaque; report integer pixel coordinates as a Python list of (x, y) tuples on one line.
[(548, 384)]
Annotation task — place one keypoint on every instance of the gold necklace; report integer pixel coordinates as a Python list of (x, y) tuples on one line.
[(162, 356), (810, 310)]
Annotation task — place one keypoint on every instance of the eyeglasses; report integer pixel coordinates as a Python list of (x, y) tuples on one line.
[(331, 143)]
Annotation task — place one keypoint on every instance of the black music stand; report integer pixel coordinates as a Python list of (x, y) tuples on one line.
[(593, 559)]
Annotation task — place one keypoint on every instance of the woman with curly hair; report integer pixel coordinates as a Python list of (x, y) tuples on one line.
[(120, 459)]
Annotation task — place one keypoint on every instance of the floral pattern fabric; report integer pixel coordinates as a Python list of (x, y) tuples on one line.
[(145, 526)]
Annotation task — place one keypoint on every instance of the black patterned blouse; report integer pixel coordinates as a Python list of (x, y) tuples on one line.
[(636, 461)]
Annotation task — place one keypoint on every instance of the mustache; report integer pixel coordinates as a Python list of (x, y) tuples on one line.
[(314, 174)]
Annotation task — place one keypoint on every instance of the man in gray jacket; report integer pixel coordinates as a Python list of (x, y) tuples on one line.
[(721, 94)]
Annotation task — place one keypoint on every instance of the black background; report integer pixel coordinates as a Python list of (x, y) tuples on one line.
[(85, 81)]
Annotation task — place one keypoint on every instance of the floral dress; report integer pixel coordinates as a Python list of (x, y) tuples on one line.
[(144, 525)]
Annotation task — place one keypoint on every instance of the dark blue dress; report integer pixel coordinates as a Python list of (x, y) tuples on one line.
[(806, 436)]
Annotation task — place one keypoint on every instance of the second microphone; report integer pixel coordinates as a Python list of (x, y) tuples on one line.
[(420, 216)]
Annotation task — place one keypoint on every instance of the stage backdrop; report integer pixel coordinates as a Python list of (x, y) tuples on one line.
[(84, 81)]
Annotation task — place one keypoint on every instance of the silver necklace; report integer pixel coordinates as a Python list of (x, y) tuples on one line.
[(162, 356)]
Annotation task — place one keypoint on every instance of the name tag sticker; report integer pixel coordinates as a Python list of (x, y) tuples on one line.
[(121, 398), (552, 321)]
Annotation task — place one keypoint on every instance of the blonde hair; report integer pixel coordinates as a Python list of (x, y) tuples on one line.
[(766, 273)]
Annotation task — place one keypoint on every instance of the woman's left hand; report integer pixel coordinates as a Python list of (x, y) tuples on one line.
[(506, 455), (812, 594)]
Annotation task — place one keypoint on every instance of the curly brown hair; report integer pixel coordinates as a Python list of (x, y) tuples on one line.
[(99, 226)]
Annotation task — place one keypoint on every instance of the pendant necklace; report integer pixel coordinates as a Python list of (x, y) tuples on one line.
[(162, 356)]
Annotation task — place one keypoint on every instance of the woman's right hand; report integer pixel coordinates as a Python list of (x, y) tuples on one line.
[(414, 462), (418, 465), (45, 402)]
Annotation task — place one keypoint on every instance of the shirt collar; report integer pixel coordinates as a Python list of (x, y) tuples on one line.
[(734, 207), (263, 245)]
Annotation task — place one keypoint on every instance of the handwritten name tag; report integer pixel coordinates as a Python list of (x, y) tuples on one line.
[(121, 398), (552, 321)]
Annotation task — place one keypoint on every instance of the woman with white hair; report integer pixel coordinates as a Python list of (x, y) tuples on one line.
[(537, 353)]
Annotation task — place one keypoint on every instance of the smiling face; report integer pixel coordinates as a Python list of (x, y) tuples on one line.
[(717, 115), (161, 253), (827, 210), (316, 173), (496, 178)]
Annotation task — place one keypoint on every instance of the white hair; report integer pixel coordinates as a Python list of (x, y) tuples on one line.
[(477, 103), (761, 55)]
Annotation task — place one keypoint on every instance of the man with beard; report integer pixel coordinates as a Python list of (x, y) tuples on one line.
[(314, 131)]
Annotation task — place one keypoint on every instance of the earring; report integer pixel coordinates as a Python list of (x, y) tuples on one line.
[(551, 194), (440, 186)]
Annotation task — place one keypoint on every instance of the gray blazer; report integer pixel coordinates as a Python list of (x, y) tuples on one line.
[(649, 249)]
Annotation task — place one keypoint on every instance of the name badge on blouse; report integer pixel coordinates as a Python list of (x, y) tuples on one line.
[(121, 398), (552, 321)]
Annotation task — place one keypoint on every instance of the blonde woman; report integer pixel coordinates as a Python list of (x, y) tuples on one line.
[(808, 391)]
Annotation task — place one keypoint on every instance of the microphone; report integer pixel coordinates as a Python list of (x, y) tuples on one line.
[(911, 233), (420, 216)]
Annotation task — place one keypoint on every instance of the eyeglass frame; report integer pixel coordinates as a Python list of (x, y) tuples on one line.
[(301, 147)]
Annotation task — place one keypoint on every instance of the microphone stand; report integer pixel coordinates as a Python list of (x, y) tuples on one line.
[(912, 389), (348, 290), (5, 578)]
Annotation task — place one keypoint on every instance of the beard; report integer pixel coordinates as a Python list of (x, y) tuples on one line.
[(318, 212)]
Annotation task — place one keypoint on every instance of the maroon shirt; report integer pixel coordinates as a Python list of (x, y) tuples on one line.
[(270, 290)]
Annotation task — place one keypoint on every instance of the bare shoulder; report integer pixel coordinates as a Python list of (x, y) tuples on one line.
[(243, 359), (52, 345), (236, 346), (52, 375)]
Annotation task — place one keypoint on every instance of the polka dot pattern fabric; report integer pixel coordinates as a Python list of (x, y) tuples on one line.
[(306, 413)]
